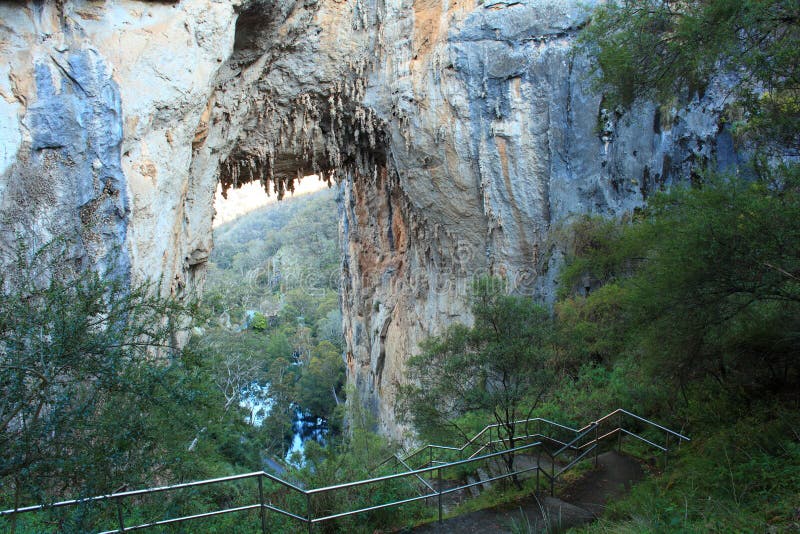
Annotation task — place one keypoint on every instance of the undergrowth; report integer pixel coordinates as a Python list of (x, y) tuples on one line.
[(744, 477)]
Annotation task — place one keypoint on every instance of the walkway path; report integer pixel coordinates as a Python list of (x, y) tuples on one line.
[(580, 502)]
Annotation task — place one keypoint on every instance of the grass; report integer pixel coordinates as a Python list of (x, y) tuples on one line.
[(740, 479), (505, 493), (521, 524)]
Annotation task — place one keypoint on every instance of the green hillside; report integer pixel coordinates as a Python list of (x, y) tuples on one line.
[(271, 312)]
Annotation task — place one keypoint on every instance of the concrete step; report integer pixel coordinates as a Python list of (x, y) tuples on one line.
[(581, 502)]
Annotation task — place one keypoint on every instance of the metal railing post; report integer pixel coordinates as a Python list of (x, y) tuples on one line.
[(119, 516), (439, 490), (309, 514), (494, 432), (262, 510), (596, 443)]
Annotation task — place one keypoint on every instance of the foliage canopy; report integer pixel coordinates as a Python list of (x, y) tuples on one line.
[(708, 283), (275, 272), (93, 392), (499, 366)]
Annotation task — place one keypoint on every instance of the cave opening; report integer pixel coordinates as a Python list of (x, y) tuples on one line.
[(272, 297)]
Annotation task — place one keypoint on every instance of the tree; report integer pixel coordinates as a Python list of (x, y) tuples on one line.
[(497, 366), (79, 375), (94, 395), (708, 286), (283, 262), (320, 386), (259, 322), (705, 281)]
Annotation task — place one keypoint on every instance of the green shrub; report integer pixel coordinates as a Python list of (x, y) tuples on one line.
[(259, 322)]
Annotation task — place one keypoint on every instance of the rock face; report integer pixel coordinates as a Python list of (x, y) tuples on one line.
[(99, 105), (461, 135)]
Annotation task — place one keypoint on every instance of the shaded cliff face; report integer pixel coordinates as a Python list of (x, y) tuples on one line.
[(462, 135), (99, 103), (495, 141)]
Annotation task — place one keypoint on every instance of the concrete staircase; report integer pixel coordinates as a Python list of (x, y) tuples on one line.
[(579, 502)]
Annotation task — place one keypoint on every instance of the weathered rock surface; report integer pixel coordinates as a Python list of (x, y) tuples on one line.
[(462, 135), (100, 103)]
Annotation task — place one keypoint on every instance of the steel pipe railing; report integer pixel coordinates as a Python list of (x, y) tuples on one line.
[(571, 446)]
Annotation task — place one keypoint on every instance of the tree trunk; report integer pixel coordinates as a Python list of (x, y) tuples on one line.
[(509, 458)]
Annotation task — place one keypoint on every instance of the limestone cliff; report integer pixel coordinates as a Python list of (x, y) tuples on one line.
[(461, 135)]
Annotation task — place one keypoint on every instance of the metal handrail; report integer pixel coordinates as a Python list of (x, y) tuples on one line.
[(571, 444), (473, 439), (308, 519), (577, 459), (184, 519), (425, 482), (497, 425), (148, 491), (517, 438), (643, 420)]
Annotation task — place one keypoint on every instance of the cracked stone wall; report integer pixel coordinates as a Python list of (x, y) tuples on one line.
[(461, 134)]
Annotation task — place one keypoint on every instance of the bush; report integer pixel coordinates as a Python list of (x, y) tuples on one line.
[(93, 392), (740, 478), (707, 287), (259, 322)]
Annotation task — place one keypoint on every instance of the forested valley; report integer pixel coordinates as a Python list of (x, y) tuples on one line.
[(272, 320)]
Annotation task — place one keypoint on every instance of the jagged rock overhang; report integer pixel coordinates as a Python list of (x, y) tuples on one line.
[(325, 133)]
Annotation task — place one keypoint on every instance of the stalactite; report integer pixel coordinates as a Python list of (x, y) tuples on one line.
[(326, 130)]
